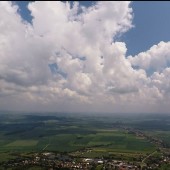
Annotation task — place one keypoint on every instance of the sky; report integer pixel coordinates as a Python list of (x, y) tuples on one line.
[(109, 57)]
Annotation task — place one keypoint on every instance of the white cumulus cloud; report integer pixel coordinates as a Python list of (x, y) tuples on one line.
[(93, 72)]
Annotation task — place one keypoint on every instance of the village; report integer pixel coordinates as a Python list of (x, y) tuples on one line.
[(53, 161)]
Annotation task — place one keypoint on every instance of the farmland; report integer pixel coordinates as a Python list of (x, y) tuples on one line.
[(88, 136)]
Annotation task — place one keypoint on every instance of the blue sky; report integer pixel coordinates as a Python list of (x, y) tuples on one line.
[(104, 56), (151, 24), (151, 20)]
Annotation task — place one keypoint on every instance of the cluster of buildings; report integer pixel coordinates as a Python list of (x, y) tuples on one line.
[(47, 161), (52, 161)]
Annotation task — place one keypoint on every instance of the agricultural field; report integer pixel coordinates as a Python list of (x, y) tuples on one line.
[(91, 136)]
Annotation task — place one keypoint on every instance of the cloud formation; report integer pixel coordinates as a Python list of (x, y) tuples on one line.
[(94, 73)]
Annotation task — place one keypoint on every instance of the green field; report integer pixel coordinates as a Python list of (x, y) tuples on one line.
[(22, 143), (108, 141), (79, 135)]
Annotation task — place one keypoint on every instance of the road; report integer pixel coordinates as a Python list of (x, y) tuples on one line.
[(147, 158), (45, 146)]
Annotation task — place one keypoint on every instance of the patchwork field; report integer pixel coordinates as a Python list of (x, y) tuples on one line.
[(85, 136)]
